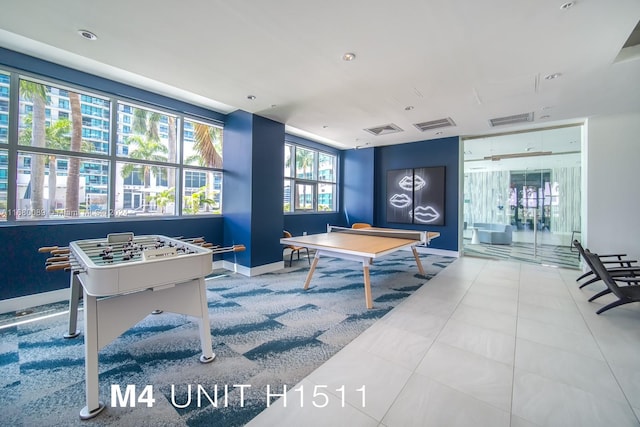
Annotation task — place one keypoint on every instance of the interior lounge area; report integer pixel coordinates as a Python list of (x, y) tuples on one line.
[(235, 129)]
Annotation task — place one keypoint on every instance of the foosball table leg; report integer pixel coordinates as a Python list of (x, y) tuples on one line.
[(91, 347), (74, 299), (204, 326)]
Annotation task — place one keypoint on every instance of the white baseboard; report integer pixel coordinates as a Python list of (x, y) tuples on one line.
[(21, 303), (253, 271)]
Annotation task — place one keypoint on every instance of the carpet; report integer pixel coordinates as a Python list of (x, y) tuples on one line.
[(267, 333)]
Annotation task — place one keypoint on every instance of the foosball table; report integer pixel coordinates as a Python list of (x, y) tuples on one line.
[(123, 278)]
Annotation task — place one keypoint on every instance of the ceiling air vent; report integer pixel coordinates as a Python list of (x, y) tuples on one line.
[(384, 129), (512, 120), (435, 124)]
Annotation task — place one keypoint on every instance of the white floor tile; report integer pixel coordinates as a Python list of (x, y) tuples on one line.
[(591, 375), (500, 322), (481, 341), (482, 378), (425, 403), (353, 369), (551, 403), (542, 333)]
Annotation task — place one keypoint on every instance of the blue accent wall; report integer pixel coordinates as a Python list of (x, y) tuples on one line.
[(267, 186), (440, 152), (358, 186), (22, 267), (253, 187), (236, 185)]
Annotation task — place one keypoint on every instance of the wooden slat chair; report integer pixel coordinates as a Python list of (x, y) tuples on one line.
[(294, 248), (617, 267), (625, 294)]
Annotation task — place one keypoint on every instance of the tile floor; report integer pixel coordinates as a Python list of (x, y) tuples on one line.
[(484, 343)]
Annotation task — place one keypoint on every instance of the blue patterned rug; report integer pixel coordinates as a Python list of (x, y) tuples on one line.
[(267, 333)]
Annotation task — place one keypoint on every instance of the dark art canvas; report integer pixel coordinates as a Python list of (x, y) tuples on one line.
[(399, 195), (416, 196)]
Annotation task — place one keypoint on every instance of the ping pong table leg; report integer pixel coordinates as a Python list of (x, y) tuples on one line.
[(417, 257), (367, 284), (311, 270)]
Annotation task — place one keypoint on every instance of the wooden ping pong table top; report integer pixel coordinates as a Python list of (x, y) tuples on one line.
[(357, 247)]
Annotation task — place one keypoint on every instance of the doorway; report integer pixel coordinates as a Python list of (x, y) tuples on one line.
[(522, 195)]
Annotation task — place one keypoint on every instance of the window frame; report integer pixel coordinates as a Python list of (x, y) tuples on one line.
[(315, 182), (13, 148)]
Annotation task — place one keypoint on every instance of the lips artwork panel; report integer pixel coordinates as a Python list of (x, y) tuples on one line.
[(428, 201), (400, 195), (416, 196)]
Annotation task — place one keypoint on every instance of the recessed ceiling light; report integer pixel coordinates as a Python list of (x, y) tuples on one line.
[(568, 5), (349, 56), (251, 97), (408, 108), (552, 76), (325, 126), (87, 35)]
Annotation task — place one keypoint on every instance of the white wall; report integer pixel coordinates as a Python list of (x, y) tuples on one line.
[(613, 185)]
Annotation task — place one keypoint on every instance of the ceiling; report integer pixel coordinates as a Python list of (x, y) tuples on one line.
[(416, 60)]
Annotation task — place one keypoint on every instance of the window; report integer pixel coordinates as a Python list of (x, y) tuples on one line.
[(70, 164), (202, 190), (310, 180)]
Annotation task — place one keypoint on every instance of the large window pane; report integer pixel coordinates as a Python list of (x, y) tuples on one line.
[(56, 187), (288, 160), (326, 197), (202, 192), (4, 108), (326, 167), (143, 189), (202, 144), (287, 196), (51, 117), (146, 135), (304, 196), (305, 163)]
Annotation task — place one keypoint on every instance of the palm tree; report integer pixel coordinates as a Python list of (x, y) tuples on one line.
[(56, 137), (72, 203), (304, 161), (163, 198), (146, 149), (172, 142), (37, 94), (208, 142)]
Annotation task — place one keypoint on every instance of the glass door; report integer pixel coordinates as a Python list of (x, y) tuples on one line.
[(522, 195)]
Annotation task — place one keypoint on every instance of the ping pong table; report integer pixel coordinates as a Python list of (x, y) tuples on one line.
[(363, 245)]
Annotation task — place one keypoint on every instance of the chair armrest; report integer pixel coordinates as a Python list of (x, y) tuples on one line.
[(610, 255), (635, 280), (628, 262)]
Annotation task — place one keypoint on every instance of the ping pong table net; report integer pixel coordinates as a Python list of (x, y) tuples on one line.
[(381, 232)]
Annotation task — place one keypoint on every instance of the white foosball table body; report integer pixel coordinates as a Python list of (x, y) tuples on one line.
[(117, 295)]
